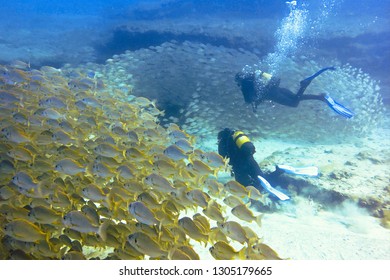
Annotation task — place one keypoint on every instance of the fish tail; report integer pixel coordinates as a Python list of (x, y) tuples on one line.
[(258, 220), (241, 255), (102, 231)]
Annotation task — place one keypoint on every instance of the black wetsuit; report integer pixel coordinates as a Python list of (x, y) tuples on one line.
[(245, 167), (255, 90)]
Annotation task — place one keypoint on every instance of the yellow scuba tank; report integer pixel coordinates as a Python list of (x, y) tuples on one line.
[(240, 138), (266, 76)]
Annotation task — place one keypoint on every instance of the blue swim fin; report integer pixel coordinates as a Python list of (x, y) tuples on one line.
[(267, 186), (304, 171), (338, 108), (308, 80)]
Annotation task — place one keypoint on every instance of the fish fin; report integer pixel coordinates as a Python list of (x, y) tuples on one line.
[(241, 255), (258, 220), (102, 231)]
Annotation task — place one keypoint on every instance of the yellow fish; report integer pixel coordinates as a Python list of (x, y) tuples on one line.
[(198, 197), (21, 153), (69, 166), (15, 135), (146, 245), (24, 181), (78, 221), (214, 213), (236, 189), (223, 251), (242, 212), (232, 201), (201, 168), (192, 230), (234, 230), (24, 231), (44, 215), (214, 159), (142, 213), (264, 250), (175, 153), (107, 150), (159, 183)]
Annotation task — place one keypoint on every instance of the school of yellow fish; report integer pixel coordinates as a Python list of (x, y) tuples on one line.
[(85, 175)]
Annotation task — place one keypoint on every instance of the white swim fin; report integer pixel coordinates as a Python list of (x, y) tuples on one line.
[(305, 171), (267, 186)]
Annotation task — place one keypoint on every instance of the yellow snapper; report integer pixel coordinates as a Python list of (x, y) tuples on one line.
[(175, 153), (189, 251), (223, 251), (192, 230), (242, 212), (264, 250), (69, 166), (236, 188), (198, 197), (107, 150), (52, 102), (94, 193), (214, 213), (21, 153), (52, 114), (24, 231), (164, 167), (102, 170), (44, 215), (185, 145), (142, 213), (146, 245), (149, 199), (15, 135), (201, 168), (177, 254), (78, 221), (214, 159), (232, 201), (234, 230), (159, 183), (24, 181), (254, 193)]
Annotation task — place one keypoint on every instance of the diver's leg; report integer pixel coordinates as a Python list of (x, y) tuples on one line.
[(284, 97), (306, 82), (334, 105)]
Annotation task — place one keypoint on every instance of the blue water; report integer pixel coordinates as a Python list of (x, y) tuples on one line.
[(59, 32)]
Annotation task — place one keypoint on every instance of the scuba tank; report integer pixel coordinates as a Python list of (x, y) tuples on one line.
[(240, 138)]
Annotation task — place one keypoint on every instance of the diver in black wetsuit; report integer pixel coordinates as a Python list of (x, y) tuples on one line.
[(258, 86), (236, 146)]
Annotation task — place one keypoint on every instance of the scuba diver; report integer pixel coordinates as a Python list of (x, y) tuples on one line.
[(236, 146), (258, 86)]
